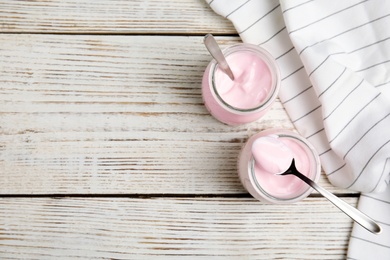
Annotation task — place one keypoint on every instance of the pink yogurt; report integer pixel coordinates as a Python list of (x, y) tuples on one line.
[(274, 150), (254, 88)]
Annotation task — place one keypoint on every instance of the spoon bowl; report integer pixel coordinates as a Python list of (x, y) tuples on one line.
[(272, 155)]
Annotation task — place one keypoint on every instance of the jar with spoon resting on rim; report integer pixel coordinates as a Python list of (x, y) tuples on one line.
[(274, 188), (252, 92)]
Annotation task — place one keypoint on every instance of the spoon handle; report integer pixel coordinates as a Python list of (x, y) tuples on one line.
[(355, 214), (212, 46)]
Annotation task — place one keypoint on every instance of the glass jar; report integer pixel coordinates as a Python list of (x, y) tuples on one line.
[(274, 188), (251, 94)]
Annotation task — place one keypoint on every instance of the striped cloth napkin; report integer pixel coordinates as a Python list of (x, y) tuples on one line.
[(335, 64)]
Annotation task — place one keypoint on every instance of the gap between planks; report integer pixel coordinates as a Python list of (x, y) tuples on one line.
[(149, 196), (86, 33)]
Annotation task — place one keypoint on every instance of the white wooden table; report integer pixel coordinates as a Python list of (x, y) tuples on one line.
[(107, 151)]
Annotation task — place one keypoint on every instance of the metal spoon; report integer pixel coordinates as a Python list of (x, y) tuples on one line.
[(278, 155), (215, 51), (358, 216)]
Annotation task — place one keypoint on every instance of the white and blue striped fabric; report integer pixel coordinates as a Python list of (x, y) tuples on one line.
[(335, 63)]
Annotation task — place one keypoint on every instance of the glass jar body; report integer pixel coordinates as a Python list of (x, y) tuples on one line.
[(262, 191)]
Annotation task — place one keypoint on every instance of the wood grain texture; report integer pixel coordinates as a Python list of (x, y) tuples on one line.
[(101, 98), (112, 17), (170, 228), (114, 115)]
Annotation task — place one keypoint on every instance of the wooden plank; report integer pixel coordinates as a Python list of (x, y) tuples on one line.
[(114, 115), (112, 17), (171, 228)]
